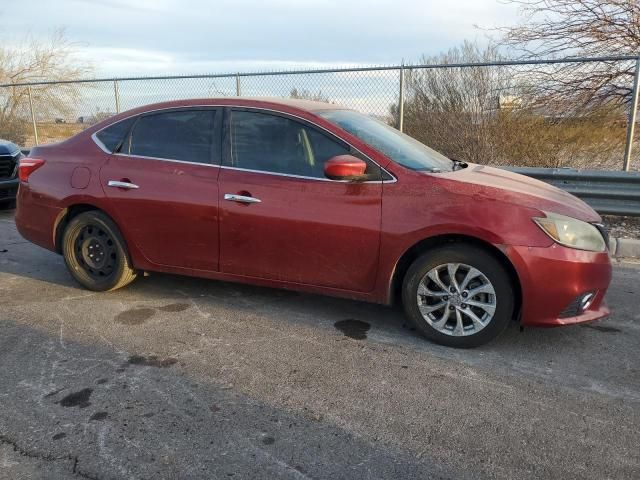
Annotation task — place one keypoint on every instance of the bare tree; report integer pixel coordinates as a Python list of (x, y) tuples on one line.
[(453, 109), (304, 94), (491, 114), (33, 60), (566, 28)]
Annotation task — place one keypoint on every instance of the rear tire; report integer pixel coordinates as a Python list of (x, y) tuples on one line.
[(467, 312), (95, 252)]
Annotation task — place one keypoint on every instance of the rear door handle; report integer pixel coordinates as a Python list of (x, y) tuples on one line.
[(241, 198), (125, 185)]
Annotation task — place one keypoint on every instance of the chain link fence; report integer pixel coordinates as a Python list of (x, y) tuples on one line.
[(546, 113)]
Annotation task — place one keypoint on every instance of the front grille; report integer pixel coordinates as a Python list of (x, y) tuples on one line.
[(8, 193), (8, 165)]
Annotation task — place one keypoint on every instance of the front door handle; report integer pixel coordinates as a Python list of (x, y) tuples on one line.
[(241, 198), (125, 185)]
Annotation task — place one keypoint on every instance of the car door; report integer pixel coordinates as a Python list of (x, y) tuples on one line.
[(162, 184), (281, 218)]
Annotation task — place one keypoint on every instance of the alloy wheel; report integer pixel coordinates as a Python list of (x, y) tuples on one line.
[(456, 299)]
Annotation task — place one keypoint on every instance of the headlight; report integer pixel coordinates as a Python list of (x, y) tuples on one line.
[(571, 232)]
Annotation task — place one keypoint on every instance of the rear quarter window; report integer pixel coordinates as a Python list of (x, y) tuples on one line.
[(112, 136)]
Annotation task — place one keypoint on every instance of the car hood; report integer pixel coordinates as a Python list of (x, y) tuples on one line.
[(517, 189)]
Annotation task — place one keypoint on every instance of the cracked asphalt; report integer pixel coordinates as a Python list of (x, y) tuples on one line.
[(177, 377)]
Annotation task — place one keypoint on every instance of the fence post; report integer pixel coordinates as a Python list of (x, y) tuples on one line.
[(116, 92), (33, 116), (631, 126), (401, 100), (237, 84)]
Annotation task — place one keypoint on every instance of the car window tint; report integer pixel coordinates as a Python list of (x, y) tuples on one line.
[(271, 143), (183, 135), (112, 136)]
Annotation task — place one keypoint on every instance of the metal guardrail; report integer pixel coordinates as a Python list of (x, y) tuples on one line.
[(607, 192)]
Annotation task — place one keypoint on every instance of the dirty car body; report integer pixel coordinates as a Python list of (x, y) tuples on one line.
[(268, 192)]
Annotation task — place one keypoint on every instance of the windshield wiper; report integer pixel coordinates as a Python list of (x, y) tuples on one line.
[(459, 164)]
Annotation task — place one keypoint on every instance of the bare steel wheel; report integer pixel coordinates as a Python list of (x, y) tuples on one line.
[(458, 295), (95, 252), (456, 299)]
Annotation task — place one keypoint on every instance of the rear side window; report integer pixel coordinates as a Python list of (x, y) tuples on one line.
[(185, 135), (112, 136), (271, 143)]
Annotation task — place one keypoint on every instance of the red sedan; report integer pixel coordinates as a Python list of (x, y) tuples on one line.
[(313, 197)]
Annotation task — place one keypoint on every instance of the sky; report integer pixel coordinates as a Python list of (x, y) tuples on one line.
[(146, 37)]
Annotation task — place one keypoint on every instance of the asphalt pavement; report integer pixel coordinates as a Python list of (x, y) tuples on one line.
[(176, 377)]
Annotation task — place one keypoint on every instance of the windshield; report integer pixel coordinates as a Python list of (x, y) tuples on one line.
[(399, 147)]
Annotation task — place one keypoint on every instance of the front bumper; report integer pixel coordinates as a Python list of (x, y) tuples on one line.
[(8, 189), (553, 277)]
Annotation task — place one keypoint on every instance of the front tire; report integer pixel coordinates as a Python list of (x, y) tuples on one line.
[(458, 295), (95, 252)]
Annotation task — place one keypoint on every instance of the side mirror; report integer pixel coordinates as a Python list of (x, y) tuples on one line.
[(345, 167)]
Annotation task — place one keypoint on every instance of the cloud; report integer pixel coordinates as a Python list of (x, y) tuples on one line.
[(185, 36)]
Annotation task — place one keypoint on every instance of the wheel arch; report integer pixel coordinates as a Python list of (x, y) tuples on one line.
[(422, 246), (72, 211)]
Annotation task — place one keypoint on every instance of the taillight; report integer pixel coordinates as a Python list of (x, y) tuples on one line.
[(27, 166)]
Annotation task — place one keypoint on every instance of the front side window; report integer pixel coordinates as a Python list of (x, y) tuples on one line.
[(272, 143), (113, 136), (185, 135)]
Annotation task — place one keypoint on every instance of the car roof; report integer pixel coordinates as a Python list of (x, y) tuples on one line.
[(285, 105), (303, 108), (301, 103), (274, 102)]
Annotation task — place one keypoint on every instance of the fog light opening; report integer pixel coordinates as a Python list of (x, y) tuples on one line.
[(586, 301)]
